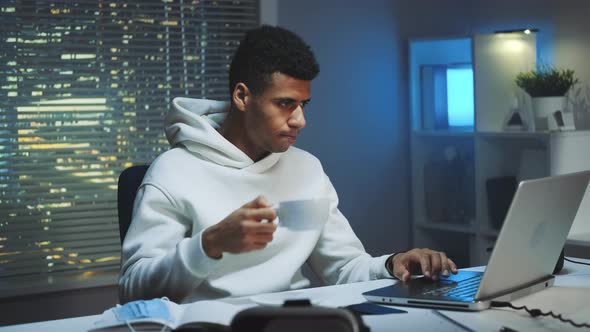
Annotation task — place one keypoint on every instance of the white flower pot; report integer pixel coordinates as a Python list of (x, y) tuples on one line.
[(544, 108)]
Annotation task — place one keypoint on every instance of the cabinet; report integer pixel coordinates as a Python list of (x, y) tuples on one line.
[(569, 153), (465, 163), (462, 165)]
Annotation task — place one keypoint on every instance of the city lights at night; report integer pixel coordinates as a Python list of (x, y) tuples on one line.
[(84, 86)]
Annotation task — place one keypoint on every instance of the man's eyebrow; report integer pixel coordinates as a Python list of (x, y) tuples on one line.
[(289, 99)]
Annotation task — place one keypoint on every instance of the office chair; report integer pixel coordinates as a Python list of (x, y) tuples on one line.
[(129, 181)]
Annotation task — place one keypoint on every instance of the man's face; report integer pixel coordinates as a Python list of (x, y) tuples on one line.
[(274, 117)]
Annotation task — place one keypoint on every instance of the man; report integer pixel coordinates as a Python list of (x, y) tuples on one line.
[(199, 230)]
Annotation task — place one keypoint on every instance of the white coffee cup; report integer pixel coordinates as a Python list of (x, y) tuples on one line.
[(301, 215)]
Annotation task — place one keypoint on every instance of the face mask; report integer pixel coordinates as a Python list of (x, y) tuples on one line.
[(153, 309)]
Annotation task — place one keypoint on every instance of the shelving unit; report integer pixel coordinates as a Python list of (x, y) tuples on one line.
[(569, 153), (452, 167)]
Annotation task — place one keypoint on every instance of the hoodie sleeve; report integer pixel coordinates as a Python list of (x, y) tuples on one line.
[(339, 256), (158, 259)]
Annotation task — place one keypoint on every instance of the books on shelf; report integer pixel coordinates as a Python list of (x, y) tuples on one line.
[(181, 316)]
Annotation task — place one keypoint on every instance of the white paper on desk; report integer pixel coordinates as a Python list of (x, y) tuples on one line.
[(570, 302), (181, 315), (208, 311)]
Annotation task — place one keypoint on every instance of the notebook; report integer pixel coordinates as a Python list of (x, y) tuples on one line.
[(197, 315), (522, 260)]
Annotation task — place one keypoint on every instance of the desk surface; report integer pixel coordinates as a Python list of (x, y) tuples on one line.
[(568, 296)]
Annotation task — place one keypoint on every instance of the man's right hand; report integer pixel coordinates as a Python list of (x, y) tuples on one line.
[(241, 231)]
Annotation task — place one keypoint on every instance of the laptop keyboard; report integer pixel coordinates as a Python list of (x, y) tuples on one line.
[(462, 289)]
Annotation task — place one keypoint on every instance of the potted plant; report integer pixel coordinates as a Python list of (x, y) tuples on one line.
[(547, 86)]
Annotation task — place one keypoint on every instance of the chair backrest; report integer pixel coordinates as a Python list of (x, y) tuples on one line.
[(129, 181)]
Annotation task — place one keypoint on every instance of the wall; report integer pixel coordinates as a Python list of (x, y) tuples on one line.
[(563, 39), (355, 124), (358, 119), (572, 40)]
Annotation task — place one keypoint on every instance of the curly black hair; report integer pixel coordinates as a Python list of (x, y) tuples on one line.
[(267, 50)]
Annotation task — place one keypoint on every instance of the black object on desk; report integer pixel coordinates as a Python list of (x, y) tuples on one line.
[(368, 308), (559, 264), (295, 317)]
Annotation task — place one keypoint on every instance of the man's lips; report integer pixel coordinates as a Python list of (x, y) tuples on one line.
[(294, 136), (290, 137)]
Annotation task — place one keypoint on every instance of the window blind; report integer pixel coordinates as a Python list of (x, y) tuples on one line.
[(84, 86)]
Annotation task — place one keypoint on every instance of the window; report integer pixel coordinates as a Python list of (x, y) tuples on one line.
[(460, 96), (84, 85), (441, 85)]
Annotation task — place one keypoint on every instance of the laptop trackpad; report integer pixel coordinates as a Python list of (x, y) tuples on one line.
[(460, 276), (419, 286)]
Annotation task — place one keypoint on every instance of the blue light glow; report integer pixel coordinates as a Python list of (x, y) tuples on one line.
[(460, 100)]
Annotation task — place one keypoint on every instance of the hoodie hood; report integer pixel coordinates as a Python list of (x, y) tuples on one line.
[(193, 123)]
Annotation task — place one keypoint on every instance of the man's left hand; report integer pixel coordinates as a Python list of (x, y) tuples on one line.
[(421, 261)]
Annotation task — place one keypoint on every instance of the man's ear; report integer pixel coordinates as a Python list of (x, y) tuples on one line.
[(241, 96)]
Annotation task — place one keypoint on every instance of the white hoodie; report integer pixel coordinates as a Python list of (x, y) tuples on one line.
[(199, 182)]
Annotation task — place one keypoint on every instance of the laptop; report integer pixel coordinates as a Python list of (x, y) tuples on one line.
[(522, 260)]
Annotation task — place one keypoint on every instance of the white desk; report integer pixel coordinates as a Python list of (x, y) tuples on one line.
[(569, 296)]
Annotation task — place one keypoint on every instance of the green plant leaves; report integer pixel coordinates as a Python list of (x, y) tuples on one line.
[(546, 81)]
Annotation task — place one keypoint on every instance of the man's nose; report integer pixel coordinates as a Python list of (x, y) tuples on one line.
[(297, 118)]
